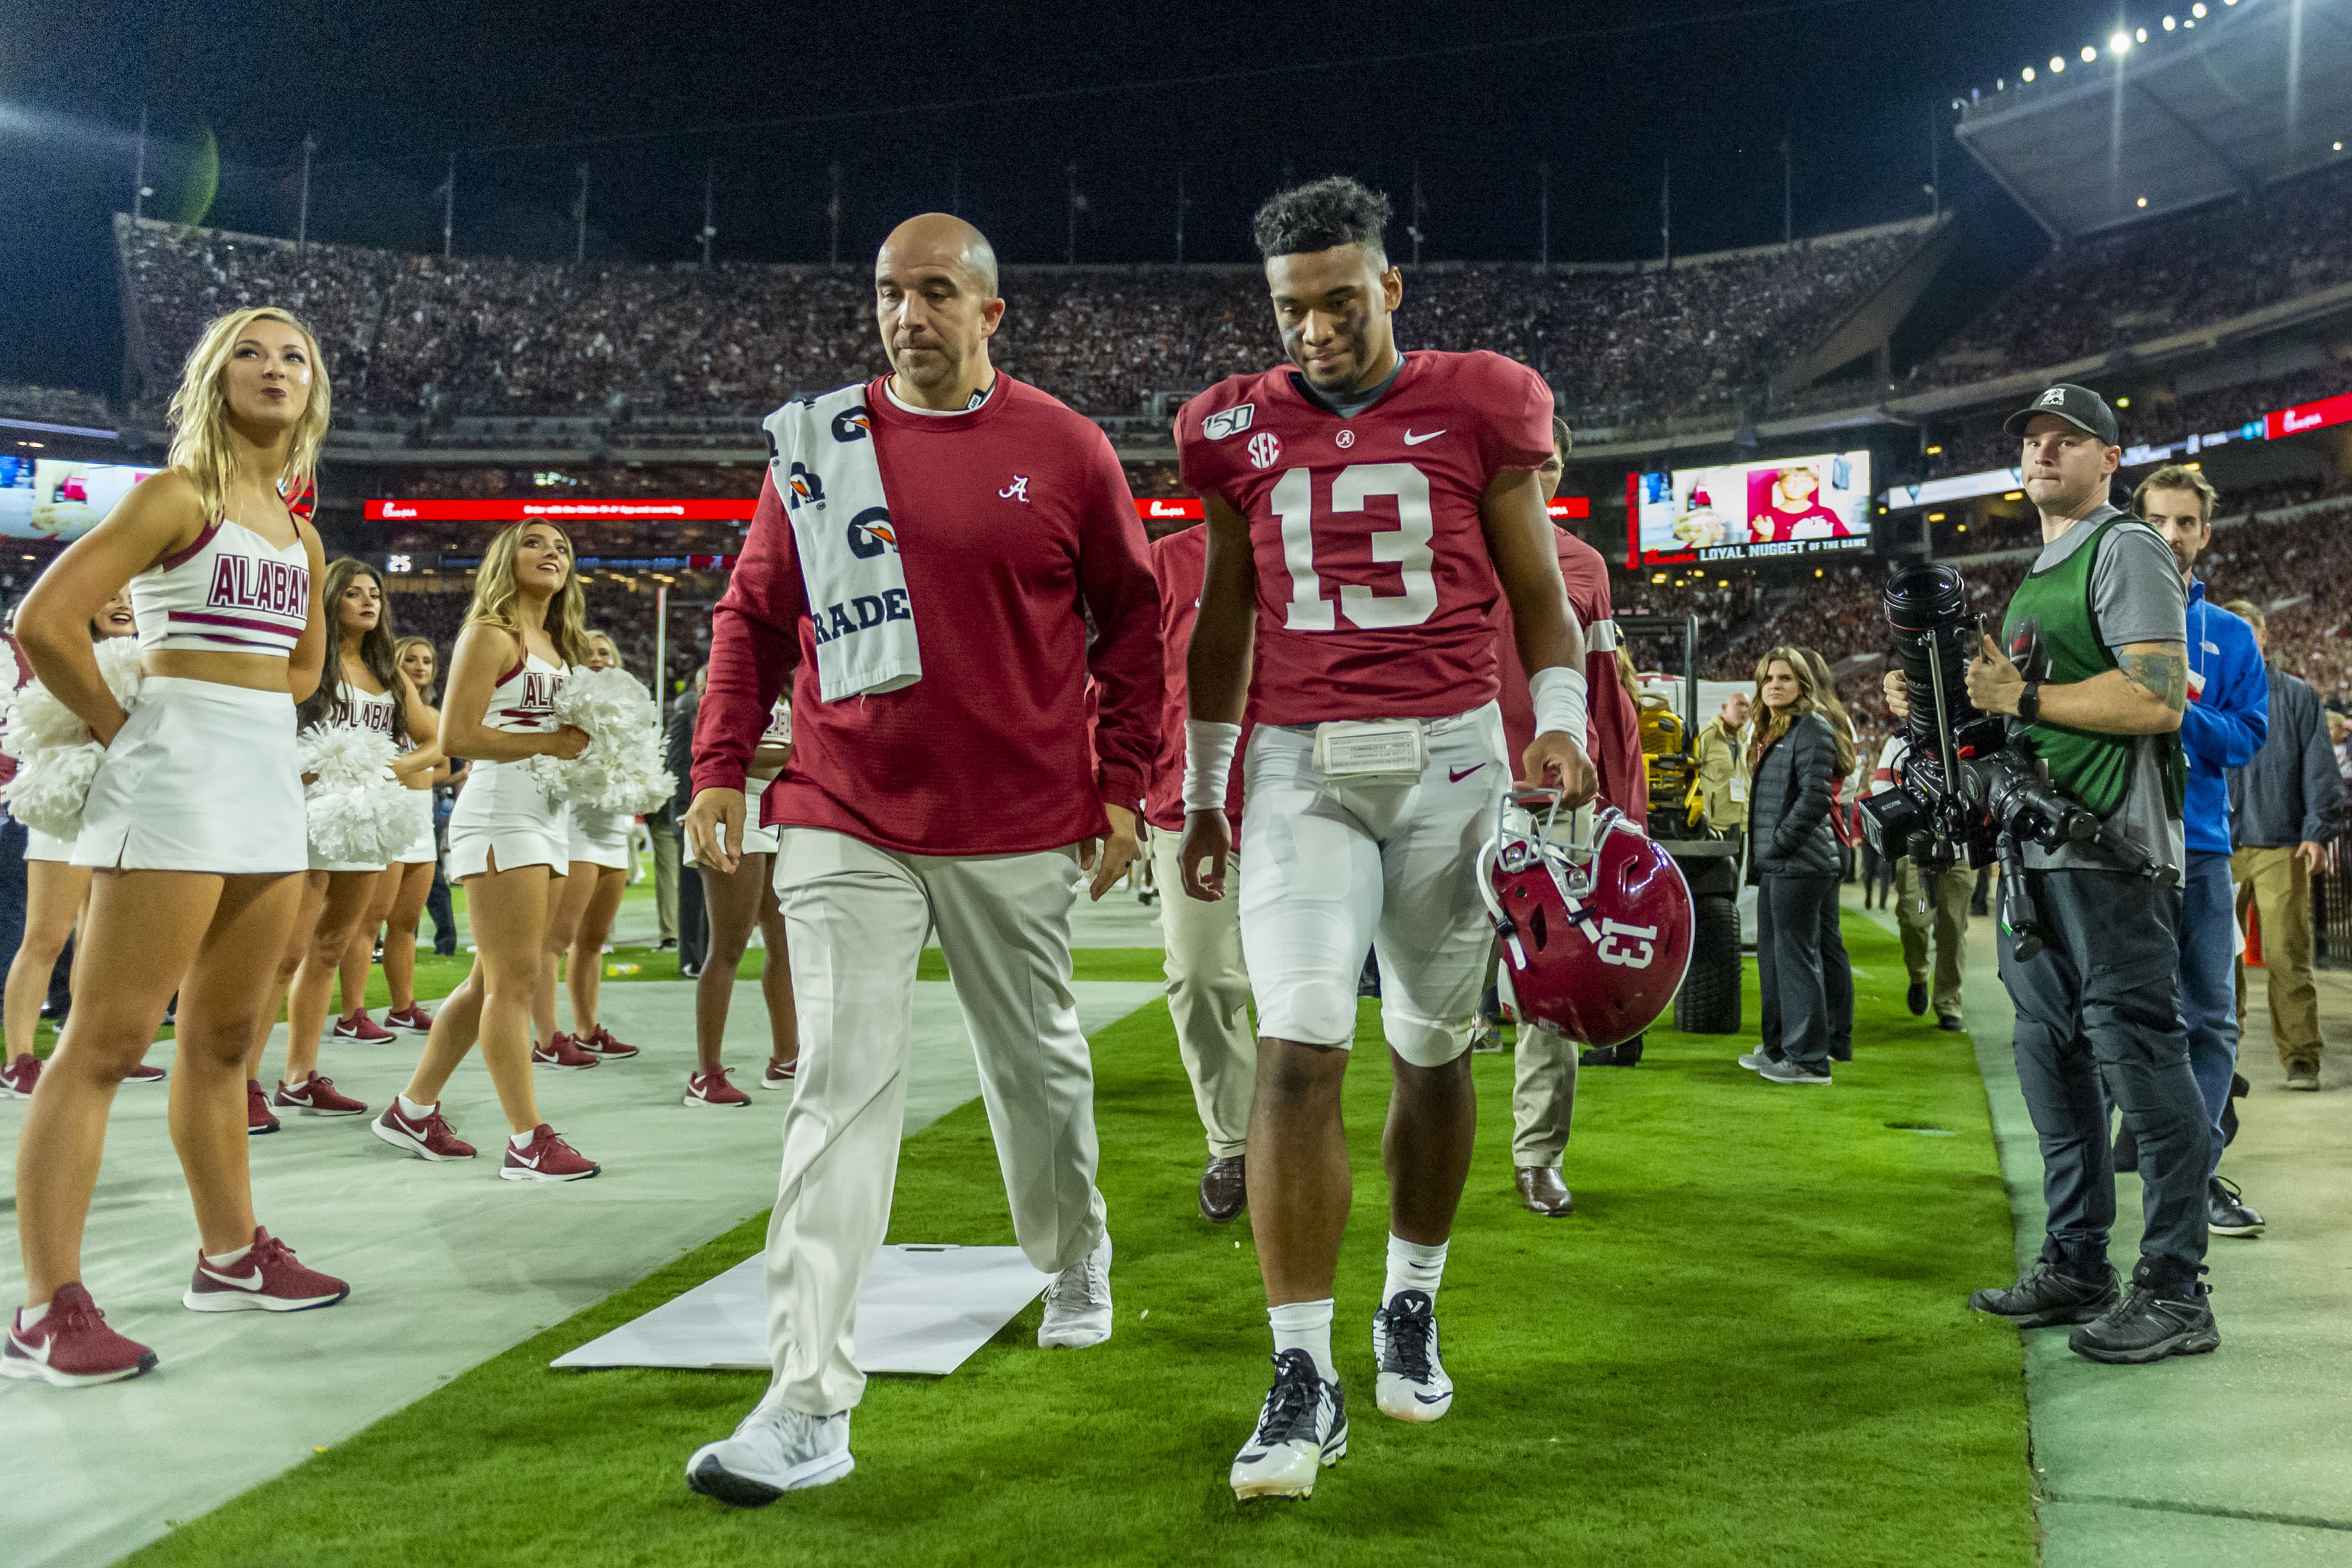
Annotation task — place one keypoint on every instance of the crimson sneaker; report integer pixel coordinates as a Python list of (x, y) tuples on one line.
[(428, 1137), (779, 1074), (413, 1020), (316, 1096), (17, 1078), (71, 1346), (546, 1158), (257, 1119), (266, 1279), (712, 1089), (603, 1043), (358, 1026), (562, 1051), (142, 1073)]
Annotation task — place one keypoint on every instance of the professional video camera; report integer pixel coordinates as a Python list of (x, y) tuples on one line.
[(1966, 792)]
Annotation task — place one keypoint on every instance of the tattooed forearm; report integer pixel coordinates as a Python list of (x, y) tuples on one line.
[(2164, 675)]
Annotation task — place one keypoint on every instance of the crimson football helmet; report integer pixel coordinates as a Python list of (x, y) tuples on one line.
[(1596, 935)]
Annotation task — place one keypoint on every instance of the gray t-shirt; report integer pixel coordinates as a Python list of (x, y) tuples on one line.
[(2137, 596)]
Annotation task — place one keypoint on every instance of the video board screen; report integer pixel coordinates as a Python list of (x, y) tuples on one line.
[(56, 498), (1750, 511)]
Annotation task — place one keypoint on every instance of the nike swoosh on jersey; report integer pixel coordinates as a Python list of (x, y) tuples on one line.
[(254, 1283), (1412, 440), (1456, 775)]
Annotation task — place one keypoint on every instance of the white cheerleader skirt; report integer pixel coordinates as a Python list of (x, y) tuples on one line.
[(203, 779), (503, 815), (39, 846), (602, 838), (757, 839), (421, 849)]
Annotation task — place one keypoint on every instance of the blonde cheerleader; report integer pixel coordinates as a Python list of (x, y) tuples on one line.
[(193, 825), (509, 845)]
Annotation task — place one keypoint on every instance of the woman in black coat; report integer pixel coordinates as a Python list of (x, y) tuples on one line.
[(1797, 759)]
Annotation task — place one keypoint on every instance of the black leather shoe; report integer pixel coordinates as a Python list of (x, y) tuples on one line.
[(1224, 1189), (2227, 1212), (1915, 999), (1951, 1023), (1542, 1192)]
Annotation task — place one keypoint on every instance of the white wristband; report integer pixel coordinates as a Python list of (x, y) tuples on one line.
[(1559, 693), (1209, 751)]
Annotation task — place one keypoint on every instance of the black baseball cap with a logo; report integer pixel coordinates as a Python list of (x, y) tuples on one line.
[(2081, 407)]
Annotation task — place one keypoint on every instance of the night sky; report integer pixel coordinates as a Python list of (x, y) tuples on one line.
[(771, 95)]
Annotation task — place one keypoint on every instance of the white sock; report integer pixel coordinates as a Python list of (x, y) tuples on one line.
[(522, 1140), (228, 1259), (415, 1112), (1413, 1267), (30, 1317), (1305, 1326)]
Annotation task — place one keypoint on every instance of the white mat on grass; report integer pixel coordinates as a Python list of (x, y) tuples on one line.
[(924, 1308)]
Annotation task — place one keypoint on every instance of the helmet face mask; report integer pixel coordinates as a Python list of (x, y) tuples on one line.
[(1596, 933)]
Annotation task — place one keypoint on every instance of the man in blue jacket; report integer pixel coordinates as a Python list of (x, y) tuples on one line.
[(2224, 724)]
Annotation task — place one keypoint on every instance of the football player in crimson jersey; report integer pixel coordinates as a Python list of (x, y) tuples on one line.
[(1363, 504)]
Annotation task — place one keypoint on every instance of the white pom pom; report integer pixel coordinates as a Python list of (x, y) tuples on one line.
[(621, 769), (359, 813), (51, 786), (118, 665), (56, 757)]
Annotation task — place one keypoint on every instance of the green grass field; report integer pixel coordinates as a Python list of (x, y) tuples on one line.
[(1747, 1347)]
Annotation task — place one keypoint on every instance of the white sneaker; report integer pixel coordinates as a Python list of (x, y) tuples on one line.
[(1412, 1384), (776, 1449), (1302, 1431), (1078, 1304), (1755, 1060)]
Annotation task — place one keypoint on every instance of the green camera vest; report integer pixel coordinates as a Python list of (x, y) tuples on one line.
[(2053, 612)]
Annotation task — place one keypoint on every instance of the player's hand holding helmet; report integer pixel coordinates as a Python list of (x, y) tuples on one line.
[(1596, 935)]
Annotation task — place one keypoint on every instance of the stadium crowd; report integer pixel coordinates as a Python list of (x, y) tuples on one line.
[(54, 405), (2163, 276), (411, 335)]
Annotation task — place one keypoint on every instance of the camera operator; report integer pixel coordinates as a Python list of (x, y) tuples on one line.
[(2101, 624), (2223, 727)]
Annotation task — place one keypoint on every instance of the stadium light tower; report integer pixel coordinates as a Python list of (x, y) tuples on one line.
[(139, 192), (302, 218), (1543, 216), (709, 229)]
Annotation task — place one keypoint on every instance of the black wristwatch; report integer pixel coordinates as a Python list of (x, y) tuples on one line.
[(2029, 703)]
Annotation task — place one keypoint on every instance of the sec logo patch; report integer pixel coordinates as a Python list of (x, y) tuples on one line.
[(1265, 449)]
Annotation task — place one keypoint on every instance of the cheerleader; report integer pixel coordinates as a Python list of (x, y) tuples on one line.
[(56, 894), (194, 822), (732, 902), (361, 689), (510, 846), (591, 895), (407, 880)]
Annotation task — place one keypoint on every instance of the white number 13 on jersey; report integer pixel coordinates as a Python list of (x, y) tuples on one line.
[(1406, 546)]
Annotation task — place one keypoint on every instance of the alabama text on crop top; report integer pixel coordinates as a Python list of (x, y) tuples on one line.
[(231, 592)]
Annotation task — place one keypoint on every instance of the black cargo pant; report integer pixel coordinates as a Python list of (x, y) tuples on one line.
[(2101, 1003), (1793, 975)]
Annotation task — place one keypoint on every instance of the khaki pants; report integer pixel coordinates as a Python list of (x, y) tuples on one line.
[(1947, 917), (666, 858), (856, 918), (1543, 1096), (1208, 995), (2275, 881)]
